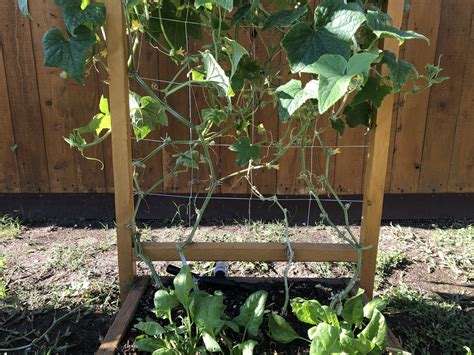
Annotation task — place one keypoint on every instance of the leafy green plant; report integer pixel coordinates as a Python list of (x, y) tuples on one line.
[(335, 81), (203, 325), (10, 227), (355, 329)]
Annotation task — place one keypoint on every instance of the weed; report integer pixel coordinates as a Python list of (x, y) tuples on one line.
[(3, 282), (63, 257), (10, 227), (444, 327), (388, 262)]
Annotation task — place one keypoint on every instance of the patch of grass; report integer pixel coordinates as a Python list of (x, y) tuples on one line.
[(388, 262), (456, 249), (429, 324), (71, 258), (3, 281), (10, 227)]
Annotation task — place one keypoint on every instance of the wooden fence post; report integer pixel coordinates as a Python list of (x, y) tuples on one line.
[(121, 142), (376, 168)]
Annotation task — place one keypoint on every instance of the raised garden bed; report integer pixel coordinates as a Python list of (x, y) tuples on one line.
[(138, 306)]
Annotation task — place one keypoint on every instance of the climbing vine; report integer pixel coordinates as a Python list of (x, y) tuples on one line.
[(333, 80)]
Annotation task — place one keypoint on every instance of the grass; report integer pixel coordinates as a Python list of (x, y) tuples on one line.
[(388, 262), (444, 325), (3, 281), (71, 258), (10, 227)]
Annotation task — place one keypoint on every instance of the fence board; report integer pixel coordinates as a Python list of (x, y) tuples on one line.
[(9, 175), (461, 177), (445, 99), (412, 111), (16, 40), (433, 128)]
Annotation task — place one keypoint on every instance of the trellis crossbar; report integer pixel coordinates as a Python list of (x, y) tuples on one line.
[(375, 172)]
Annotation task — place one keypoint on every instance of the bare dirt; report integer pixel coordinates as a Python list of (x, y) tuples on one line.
[(61, 276)]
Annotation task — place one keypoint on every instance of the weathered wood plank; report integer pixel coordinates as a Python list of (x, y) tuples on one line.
[(445, 99), (376, 169), (412, 112), (208, 251), (9, 174), (19, 58), (121, 146), (461, 176), (118, 329)]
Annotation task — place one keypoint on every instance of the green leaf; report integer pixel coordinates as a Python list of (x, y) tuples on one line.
[(164, 302), (214, 115), (338, 125), (376, 330), (150, 328), (226, 4), (280, 330), (358, 115), (376, 303), (292, 96), (246, 151), (208, 311), (304, 46), (400, 70), (246, 348), (285, 17), (177, 21), (342, 20), (91, 16), (147, 114), (380, 25), (251, 312), (165, 352), (308, 311), (183, 284), (69, 55), (353, 308), (148, 344), (351, 345), (336, 74), (216, 75), (210, 342), (374, 91), (325, 340), (23, 6), (235, 52), (189, 159), (84, 4)]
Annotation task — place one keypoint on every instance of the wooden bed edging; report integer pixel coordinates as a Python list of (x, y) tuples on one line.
[(121, 323), (120, 326)]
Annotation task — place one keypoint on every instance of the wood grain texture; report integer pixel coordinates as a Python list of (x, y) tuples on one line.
[(65, 105), (461, 173), (9, 174), (121, 146), (412, 111), (376, 168), (208, 251), (445, 99), (118, 329), (19, 60)]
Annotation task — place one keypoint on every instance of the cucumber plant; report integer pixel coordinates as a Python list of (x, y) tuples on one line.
[(334, 80)]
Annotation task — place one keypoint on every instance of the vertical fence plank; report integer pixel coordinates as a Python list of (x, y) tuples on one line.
[(121, 146), (65, 105), (19, 57), (461, 177), (9, 175), (445, 99), (424, 18), (376, 168)]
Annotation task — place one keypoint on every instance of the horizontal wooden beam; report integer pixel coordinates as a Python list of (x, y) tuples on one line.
[(208, 251)]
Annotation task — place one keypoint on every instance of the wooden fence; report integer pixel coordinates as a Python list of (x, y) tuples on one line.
[(431, 148)]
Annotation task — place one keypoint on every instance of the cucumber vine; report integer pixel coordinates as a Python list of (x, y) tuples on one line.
[(334, 81)]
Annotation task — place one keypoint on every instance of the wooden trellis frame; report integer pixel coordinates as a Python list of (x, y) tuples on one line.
[(375, 173)]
